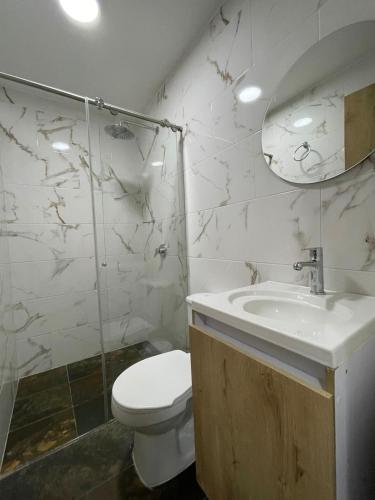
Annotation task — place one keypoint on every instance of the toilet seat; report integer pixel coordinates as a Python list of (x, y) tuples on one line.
[(153, 390)]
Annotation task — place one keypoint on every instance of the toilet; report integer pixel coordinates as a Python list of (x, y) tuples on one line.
[(154, 398)]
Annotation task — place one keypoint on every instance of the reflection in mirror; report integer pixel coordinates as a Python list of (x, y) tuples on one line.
[(321, 121)]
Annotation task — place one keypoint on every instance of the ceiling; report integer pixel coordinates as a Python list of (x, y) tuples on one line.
[(123, 58)]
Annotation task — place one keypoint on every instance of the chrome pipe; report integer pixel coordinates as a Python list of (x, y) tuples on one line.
[(97, 101)]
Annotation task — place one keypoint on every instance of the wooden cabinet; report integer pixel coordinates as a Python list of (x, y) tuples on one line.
[(260, 432)]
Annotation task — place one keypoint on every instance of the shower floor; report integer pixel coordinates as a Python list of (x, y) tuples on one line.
[(55, 407)]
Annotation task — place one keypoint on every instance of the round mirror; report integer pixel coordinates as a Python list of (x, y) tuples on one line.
[(321, 121)]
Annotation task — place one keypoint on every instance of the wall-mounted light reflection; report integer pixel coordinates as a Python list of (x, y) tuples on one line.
[(250, 94), (60, 146), (157, 163), (83, 11), (302, 122)]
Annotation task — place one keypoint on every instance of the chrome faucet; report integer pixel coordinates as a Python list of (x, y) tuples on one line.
[(316, 273)]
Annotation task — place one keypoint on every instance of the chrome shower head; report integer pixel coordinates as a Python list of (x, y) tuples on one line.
[(119, 131)]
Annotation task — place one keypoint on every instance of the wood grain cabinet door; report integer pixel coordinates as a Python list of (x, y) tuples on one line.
[(260, 433)]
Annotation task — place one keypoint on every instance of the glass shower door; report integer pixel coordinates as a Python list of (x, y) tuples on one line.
[(141, 233), (49, 310)]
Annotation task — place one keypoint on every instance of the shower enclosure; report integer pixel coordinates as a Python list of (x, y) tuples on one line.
[(93, 272)]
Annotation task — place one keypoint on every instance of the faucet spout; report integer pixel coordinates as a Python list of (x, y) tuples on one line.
[(316, 273), (298, 266)]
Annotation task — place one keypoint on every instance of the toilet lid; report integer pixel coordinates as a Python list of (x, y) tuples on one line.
[(154, 383)]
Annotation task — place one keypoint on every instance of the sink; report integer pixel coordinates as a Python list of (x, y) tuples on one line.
[(326, 328), (303, 314)]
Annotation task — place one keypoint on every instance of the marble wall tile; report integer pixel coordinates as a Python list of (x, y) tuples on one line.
[(271, 229), (35, 242), (75, 344), (273, 22), (228, 177), (348, 221), (269, 224), (215, 275), (33, 280), (266, 182), (35, 354), (27, 204), (61, 312), (122, 239), (28, 138)]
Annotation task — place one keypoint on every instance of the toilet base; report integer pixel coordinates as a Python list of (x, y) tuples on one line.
[(158, 458)]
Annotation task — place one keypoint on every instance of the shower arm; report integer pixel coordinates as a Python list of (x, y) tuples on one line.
[(97, 101)]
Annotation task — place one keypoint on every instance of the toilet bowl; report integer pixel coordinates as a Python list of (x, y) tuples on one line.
[(154, 398)]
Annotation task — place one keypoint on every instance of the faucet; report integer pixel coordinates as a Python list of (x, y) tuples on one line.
[(316, 273)]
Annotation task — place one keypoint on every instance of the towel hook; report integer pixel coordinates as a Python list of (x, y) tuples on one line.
[(304, 155)]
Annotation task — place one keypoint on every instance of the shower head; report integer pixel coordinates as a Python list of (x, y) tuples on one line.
[(119, 131)]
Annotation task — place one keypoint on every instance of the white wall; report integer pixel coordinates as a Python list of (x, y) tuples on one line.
[(244, 224)]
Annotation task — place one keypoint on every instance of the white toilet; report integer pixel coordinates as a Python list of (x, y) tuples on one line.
[(154, 397)]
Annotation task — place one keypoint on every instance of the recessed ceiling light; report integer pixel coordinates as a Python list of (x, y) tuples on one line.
[(302, 122), (250, 94), (60, 146), (83, 11), (157, 163)]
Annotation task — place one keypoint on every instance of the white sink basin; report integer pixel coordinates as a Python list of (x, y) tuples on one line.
[(325, 328)]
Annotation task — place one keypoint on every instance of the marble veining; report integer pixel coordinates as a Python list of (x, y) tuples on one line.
[(46, 224), (243, 222)]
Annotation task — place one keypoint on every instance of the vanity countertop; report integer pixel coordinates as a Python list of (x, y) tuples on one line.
[(325, 328)]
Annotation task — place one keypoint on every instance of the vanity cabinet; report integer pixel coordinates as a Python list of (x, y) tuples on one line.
[(261, 432)]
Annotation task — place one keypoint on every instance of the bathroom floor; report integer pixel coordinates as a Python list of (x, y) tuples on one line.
[(92, 467), (54, 407)]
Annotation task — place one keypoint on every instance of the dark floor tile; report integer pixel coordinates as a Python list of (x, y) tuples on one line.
[(109, 402), (86, 388), (41, 381), (85, 367), (40, 405), (127, 486), (89, 415), (118, 361), (146, 349), (33, 440), (73, 470)]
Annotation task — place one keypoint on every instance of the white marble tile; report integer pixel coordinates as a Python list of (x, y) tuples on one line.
[(227, 177), (163, 182), (122, 208), (28, 139), (35, 355), (125, 331), (272, 229), (348, 221), (34, 204), (266, 182), (273, 22), (32, 280), (35, 242), (62, 312), (174, 235), (123, 271), (215, 275), (344, 280), (123, 239), (280, 226), (220, 233), (75, 344)]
